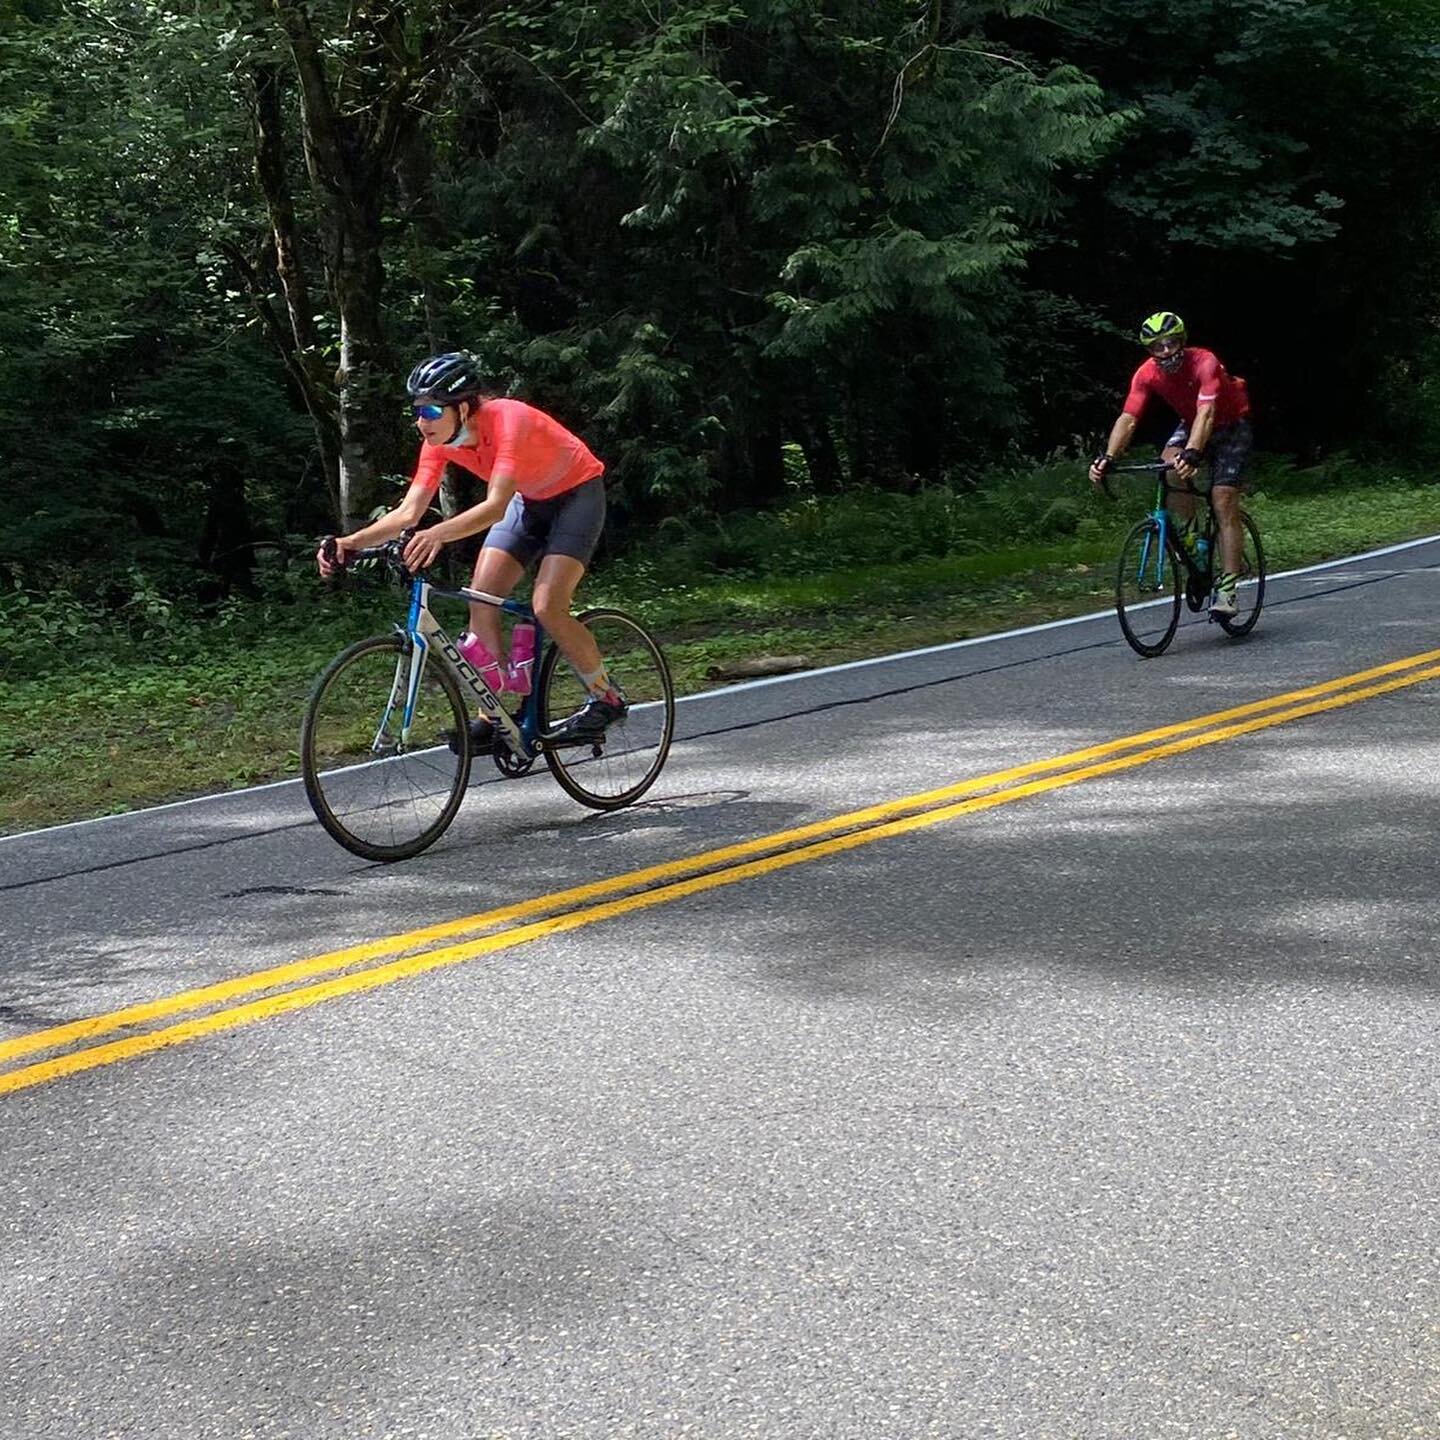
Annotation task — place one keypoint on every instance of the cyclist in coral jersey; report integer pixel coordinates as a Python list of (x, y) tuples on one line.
[(1214, 411), (545, 499)]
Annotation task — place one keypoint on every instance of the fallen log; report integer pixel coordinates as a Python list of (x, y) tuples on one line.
[(761, 665)]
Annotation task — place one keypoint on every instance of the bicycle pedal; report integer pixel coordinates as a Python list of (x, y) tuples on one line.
[(574, 742)]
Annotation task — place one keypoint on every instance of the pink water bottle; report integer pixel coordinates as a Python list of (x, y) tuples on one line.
[(522, 657), (478, 657)]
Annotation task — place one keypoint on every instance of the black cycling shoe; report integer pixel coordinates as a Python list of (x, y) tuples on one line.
[(590, 723), (482, 737)]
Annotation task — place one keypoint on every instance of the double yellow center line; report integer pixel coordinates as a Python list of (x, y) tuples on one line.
[(141, 1029)]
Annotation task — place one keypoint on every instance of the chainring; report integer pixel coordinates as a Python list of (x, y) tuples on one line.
[(508, 763)]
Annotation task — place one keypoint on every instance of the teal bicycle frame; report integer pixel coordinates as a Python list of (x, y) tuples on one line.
[(1165, 535), (1155, 543)]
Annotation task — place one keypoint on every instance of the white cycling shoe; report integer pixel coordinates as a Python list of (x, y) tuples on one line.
[(1222, 604)]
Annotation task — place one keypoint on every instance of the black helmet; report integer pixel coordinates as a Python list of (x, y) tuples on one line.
[(448, 378)]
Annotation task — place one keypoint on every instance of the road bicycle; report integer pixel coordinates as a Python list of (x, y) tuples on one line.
[(1157, 560), (386, 745)]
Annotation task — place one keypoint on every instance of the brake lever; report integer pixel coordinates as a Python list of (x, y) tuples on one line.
[(396, 547)]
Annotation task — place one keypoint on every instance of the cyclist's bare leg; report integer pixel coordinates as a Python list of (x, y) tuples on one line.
[(1180, 504), (497, 572), (1225, 501), (555, 585)]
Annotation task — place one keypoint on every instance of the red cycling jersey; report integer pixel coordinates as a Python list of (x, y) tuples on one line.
[(1200, 379), (516, 440)]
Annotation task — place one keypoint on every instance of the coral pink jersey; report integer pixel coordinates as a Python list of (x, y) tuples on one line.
[(516, 440), (1200, 380)]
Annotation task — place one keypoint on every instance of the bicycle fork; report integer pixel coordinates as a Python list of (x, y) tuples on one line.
[(1156, 537)]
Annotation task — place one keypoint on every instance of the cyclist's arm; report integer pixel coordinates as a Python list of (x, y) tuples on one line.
[(1212, 377), (499, 490), (1201, 430), (509, 423), (1121, 434), (1196, 441), (405, 516)]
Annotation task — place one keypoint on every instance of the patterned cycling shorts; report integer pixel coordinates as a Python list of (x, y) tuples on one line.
[(1229, 451)]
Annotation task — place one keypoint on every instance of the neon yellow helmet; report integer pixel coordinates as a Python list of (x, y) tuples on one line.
[(1162, 325)]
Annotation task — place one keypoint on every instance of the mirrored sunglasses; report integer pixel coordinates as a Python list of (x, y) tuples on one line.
[(428, 411)]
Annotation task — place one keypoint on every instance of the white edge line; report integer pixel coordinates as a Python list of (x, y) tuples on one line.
[(762, 683), (1105, 614)]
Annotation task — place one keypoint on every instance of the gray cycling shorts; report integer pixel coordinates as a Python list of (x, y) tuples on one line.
[(570, 524), (1229, 451)]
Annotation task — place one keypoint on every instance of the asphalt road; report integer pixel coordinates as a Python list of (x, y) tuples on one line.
[(1110, 1110)]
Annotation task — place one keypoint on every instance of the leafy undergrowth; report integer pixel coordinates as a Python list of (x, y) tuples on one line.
[(204, 708)]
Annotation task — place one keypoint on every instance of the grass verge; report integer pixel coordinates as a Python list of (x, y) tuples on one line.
[(216, 708)]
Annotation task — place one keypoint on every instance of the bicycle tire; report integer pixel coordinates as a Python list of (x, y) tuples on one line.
[(1139, 581), (386, 798), (617, 770), (1251, 586)]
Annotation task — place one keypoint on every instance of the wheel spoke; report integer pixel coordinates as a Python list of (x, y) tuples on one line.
[(383, 789), (1250, 591), (1148, 573), (619, 767)]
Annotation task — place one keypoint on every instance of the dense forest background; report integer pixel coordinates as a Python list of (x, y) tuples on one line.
[(744, 247)]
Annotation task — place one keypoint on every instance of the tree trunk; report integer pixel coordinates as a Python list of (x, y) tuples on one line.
[(415, 174), (327, 433), (227, 540), (751, 462), (857, 433), (922, 440), (364, 382), (767, 464), (361, 104), (280, 205), (300, 349), (821, 457)]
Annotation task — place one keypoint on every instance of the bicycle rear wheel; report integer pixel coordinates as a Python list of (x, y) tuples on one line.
[(619, 768), (1250, 592), (1148, 569), (383, 789)]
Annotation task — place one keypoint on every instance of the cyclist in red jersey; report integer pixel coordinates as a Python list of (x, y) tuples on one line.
[(1214, 411), (544, 497)]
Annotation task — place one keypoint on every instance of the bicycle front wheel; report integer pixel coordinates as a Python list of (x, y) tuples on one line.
[(1250, 592), (1148, 570), (383, 788), (620, 767)]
